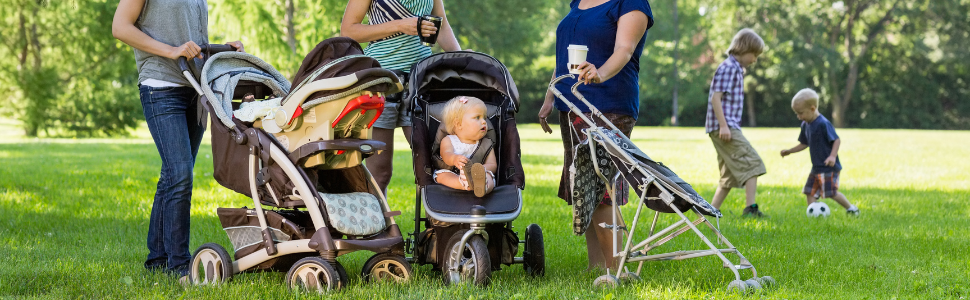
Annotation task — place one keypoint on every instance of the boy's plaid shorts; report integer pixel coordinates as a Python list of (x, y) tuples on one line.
[(822, 185)]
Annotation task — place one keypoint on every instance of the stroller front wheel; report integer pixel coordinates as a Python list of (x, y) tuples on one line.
[(312, 274), (472, 264), (211, 264), (387, 267)]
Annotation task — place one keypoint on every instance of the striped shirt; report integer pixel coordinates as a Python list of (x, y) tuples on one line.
[(728, 79), (399, 51)]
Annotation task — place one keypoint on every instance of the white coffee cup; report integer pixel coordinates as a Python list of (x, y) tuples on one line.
[(577, 55)]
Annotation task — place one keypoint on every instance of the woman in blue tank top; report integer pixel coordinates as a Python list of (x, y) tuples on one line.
[(614, 31), (392, 34)]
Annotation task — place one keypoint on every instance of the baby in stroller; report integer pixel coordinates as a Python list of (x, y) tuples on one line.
[(461, 149)]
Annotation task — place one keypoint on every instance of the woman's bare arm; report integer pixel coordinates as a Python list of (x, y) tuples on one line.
[(446, 38), (352, 24), (123, 28), (629, 31)]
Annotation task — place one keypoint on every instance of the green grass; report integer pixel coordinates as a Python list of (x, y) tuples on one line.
[(73, 218)]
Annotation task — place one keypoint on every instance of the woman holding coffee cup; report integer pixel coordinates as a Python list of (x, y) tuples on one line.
[(601, 41), (399, 33)]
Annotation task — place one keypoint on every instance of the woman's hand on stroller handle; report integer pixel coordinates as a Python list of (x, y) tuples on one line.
[(238, 45), (188, 50), (204, 49)]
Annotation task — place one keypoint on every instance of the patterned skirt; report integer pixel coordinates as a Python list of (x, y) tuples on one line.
[(571, 127)]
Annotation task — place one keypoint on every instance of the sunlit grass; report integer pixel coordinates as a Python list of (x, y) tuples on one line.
[(73, 219)]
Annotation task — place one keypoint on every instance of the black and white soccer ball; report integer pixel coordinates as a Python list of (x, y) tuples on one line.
[(818, 209)]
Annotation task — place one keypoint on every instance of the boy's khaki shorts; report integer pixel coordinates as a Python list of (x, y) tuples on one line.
[(737, 160)]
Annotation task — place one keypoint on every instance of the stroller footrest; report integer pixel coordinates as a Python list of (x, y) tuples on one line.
[(375, 245)]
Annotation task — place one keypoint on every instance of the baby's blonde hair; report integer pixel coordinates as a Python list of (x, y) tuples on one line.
[(746, 41), (455, 108), (807, 96)]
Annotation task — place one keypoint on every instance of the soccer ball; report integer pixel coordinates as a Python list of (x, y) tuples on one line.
[(818, 209)]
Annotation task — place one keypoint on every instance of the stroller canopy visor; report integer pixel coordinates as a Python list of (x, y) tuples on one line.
[(473, 66), (222, 73)]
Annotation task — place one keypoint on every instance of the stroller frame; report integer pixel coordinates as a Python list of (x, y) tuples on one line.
[(472, 236), (310, 255), (656, 238)]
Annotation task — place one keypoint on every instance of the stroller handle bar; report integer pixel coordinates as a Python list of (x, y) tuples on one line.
[(575, 89), (207, 50)]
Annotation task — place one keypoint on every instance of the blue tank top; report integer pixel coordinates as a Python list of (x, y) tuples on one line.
[(595, 28)]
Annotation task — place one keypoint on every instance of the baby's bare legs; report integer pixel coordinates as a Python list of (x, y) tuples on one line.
[(451, 180), (810, 199)]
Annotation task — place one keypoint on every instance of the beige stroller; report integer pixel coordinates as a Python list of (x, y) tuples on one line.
[(611, 156), (299, 153)]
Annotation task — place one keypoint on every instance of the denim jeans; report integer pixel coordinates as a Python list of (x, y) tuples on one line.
[(171, 116)]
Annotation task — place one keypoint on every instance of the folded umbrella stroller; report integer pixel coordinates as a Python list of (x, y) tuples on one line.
[(612, 157)]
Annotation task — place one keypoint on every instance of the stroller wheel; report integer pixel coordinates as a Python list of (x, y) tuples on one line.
[(766, 281), (342, 273), (470, 265), (211, 264), (534, 254), (312, 274), (738, 286), (387, 267), (606, 281), (753, 284), (627, 277)]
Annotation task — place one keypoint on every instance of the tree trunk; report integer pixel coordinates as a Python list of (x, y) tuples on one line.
[(290, 31), (34, 40), (676, 77), (840, 102)]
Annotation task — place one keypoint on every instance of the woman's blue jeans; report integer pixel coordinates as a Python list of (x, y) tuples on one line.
[(171, 116)]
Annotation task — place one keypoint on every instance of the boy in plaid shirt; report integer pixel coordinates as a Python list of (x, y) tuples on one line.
[(819, 136), (739, 163)]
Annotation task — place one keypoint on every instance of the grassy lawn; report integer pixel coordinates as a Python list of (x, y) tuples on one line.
[(74, 214)]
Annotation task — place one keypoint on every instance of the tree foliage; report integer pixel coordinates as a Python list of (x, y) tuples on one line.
[(63, 72), (876, 63)]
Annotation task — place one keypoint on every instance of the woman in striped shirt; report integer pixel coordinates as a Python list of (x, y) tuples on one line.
[(392, 36)]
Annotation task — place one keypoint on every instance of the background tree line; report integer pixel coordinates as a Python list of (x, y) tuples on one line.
[(876, 63)]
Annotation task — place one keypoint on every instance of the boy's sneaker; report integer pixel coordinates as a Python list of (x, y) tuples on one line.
[(752, 211), (852, 211)]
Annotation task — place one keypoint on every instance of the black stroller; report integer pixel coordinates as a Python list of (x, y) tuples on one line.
[(465, 236), (324, 202)]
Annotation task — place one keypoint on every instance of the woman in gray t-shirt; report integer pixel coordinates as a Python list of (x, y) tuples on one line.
[(161, 31)]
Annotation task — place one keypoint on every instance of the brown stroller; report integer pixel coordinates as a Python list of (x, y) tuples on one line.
[(299, 153)]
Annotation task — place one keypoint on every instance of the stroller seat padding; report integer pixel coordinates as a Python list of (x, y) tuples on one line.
[(354, 213), (444, 200)]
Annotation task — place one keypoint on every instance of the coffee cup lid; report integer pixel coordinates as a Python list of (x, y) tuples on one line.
[(577, 47)]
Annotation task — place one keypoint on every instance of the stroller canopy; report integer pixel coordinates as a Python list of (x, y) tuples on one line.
[(223, 72), (473, 66)]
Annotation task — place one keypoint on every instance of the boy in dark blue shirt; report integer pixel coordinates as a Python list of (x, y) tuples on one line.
[(819, 136)]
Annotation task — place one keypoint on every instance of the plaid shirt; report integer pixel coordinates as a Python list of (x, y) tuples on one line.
[(729, 79)]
